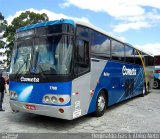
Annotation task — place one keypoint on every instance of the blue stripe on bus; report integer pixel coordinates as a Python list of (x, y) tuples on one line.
[(114, 83), (34, 92), (42, 24)]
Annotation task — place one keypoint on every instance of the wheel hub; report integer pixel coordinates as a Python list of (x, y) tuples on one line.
[(101, 103)]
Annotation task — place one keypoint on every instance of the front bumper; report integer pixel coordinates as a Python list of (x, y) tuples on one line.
[(47, 110)]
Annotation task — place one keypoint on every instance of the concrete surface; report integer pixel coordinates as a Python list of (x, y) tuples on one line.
[(139, 114)]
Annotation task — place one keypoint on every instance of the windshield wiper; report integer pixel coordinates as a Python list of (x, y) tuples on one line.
[(42, 72), (17, 73), (25, 62)]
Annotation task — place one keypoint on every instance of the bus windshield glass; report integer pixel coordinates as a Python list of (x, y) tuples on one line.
[(21, 57), (43, 55)]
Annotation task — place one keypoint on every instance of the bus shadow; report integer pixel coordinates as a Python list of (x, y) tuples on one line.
[(44, 122), (119, 104)]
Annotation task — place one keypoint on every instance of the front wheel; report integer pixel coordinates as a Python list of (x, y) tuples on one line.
[(156, 84), (100, 104)]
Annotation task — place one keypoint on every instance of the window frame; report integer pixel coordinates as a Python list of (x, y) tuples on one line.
[(79, 37), (133, 52), (112, 39), (108, 38)]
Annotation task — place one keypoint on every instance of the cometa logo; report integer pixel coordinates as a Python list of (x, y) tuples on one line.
[(126, 71), (23, 79)]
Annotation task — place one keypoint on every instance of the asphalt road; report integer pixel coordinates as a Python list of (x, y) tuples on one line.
[(140, 114)]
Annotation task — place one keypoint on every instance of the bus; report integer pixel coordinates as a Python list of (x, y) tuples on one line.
[(157, 73), (66, 69)]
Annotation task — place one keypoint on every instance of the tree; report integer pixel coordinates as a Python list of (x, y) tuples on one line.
[(3, 24), (25, 18)]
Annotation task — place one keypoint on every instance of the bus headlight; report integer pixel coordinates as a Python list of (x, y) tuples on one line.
[(47, 99), (13, 95), (56, 99)]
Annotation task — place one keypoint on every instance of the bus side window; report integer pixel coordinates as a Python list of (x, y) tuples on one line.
[(117, 50), (157, 60), (81, 57), (129, 54), (149, 61)]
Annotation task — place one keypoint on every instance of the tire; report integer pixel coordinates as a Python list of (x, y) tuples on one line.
[(100, 104), (144, 91), (156, 84)]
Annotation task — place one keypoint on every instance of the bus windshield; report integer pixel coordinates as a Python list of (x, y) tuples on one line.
[(43, 55)]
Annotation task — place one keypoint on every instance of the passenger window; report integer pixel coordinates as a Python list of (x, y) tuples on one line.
[(100, 45), (157, 60), (83, 32), (149, 61), (117, 50), (129, 54)]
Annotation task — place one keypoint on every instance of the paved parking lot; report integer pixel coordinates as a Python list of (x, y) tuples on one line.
[(140, 114)]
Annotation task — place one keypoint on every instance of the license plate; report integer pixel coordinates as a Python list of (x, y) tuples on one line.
[(30, 107)]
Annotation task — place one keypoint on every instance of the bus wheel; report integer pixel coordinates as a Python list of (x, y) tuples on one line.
[(144, 91), (156, 84), (100, 104)]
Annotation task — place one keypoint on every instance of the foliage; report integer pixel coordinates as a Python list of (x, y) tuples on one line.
[(1, 16), (1, 44), (3, 24)]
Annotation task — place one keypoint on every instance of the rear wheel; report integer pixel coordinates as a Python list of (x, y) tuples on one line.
[(144, 91), (100, 104)]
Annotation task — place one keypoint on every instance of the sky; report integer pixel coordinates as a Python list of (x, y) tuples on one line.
[(134, 21)]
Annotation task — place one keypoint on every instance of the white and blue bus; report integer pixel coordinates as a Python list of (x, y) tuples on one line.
[(67, 69)]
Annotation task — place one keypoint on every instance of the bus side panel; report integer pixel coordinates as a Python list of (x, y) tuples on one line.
[(124, 85), (97, 67), (81, 97), (119, 86)]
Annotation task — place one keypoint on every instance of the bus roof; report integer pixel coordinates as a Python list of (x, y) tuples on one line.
[(48, 23), (153, 50), (74, 22)]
